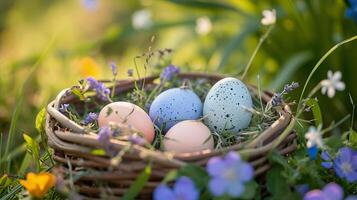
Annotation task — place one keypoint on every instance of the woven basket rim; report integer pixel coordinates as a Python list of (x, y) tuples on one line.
[(80, 141)]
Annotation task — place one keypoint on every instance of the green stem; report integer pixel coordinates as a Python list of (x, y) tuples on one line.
[(322, 59), (261, 41)]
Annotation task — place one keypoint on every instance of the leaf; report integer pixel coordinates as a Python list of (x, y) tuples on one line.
[(98, 152), (34, 149), (289, 68), (276, 183), (172, 175), (316, 111), (40, 126), (353, 138), (78, 93), (275, 157), (249, 190), (139, 183)]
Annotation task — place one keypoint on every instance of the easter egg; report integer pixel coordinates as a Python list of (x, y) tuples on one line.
[(187, 137), (225, 106), (175, 105), (128, 114)]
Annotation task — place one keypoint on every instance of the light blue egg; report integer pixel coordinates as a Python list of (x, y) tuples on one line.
[(225, 106), (175, 105)]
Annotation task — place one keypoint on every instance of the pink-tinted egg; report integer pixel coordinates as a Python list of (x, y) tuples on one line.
[(129, 114), (187, 137)]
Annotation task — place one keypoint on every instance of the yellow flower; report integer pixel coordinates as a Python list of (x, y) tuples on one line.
[(88, 67), (38, 184)]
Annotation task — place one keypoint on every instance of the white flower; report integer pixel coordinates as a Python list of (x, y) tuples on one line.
[(203, 25), (141, 19), (269, 17), (332, 84), (314, 137)]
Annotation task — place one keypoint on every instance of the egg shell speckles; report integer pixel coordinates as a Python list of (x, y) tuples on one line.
[(187, 137), (225, 106), (175, 105)]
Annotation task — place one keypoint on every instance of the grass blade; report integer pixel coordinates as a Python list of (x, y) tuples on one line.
[(139, 183)]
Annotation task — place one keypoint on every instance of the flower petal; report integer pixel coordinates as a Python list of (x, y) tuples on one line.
[(326, 165), (217, 186), (332, 191), (163, 192), (312, 151), (246, 172), (337, 76), (215, 166), (352, 176), (331, 92), (314, 195), (235, 189), (340, 86), (325, 156), (329, 74), (345, 154)]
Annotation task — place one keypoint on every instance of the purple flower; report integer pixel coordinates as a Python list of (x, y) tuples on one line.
[(228, 174), (101, 91), (327, 160), (169, 72), (64, 108), (184, 189), (136, 139), (91, 117), (277, 99), (104, 135), (331, 191), (345, 164), (114, 69)]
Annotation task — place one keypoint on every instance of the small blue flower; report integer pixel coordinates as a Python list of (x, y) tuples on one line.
[(325, 156), (64, 108), (101, 91), (184, 189), (345, 164), (91, 117), (169, 72), (331, 191), (114, 69), (228, 175), (312, 151)]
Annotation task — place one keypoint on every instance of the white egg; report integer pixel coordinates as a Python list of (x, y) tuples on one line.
[(187, 137)]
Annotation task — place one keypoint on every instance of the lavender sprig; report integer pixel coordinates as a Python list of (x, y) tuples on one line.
[(101, 90), (277, 99)]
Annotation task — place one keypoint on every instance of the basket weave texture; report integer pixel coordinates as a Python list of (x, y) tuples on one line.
[(73, 145)]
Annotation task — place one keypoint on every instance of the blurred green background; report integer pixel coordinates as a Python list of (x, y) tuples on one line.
[(49, 45)]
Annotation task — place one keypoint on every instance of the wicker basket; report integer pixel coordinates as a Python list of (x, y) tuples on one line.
[(73, 146)]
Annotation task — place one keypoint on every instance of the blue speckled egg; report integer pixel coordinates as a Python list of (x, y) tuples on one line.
[(224, 106), (175, 105)]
